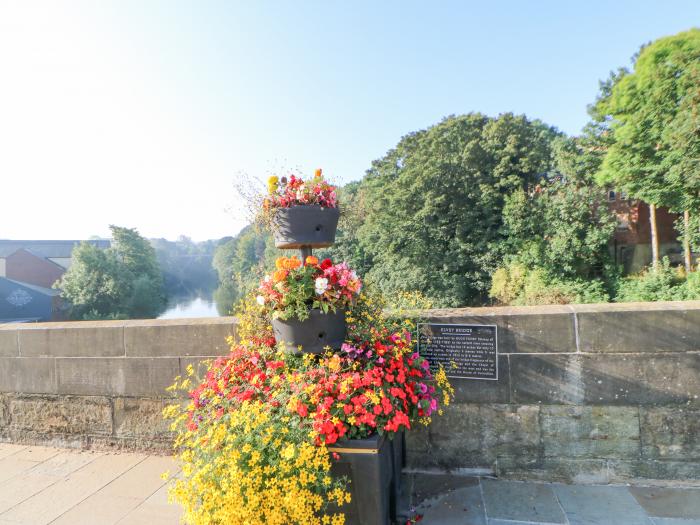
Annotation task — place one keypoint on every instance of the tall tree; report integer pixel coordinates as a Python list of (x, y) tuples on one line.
[(122, 281), (432, 206), (635, 108)]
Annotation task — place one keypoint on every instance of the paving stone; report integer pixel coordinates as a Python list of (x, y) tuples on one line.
[(668, 502), (431, 486), (600, 505), (455, 508), (512, 500)]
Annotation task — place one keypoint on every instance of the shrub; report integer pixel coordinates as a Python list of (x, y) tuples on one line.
[(666, 283), (514, 284)]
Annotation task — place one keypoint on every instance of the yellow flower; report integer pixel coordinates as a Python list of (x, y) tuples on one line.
[(272, 184)]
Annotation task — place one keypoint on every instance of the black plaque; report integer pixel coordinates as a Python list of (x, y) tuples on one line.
[(466, 351)]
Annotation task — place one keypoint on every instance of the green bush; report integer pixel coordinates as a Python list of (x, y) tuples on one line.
[(665, 284), (515, 284)]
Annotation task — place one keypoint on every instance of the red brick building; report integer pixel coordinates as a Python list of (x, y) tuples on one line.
[(631, 243), (29, 268)]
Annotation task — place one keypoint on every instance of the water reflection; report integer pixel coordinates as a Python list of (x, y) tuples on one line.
[(191, 306)]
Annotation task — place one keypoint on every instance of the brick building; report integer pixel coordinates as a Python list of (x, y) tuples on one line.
[(631, 244), (28, 271)]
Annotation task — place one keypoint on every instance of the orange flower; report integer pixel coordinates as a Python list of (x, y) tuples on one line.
[(311, 260), (318, 173), (279, 275), (280, 263), (292, 263)]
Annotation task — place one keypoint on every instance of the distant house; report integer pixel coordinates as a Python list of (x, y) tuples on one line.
[(22, 302), (55, 251), (28, 267), (28, 270), (631, 244)]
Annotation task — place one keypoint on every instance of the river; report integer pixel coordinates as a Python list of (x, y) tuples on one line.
[(195, 306)]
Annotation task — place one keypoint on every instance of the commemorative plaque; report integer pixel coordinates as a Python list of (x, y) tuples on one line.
[(465, 351)]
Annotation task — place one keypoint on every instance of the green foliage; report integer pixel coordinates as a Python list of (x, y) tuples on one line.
[(123, 281), (515, 284), (665, 284), (186, 265), (561, 228), (241, 262), (432, 206), (639, 110)]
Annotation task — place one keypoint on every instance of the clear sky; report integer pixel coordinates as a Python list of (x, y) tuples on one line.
[(147, 113)]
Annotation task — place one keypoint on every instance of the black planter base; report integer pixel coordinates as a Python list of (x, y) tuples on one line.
[(368, 465), (313, 334)]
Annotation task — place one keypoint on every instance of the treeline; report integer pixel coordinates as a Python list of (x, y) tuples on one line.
[(187, 265), (478, 209), (135, 277)]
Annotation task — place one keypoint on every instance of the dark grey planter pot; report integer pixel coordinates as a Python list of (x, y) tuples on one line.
[(313, 334), (299, 226), (368, 465)]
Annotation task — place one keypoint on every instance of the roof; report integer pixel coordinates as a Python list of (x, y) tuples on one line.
[(46, 249), (46, 291)]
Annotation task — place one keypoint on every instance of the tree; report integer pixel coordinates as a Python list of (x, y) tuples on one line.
[(122, 281), (432, 206), (636, 108)]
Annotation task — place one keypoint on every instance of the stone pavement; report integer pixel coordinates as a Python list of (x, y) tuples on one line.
[(41, 486), (454, 500)]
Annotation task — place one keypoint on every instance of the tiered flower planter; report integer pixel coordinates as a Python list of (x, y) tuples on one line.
[(372, 465), (314, 334)]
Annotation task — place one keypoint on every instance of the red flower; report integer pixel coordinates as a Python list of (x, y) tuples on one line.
[(325, 264)]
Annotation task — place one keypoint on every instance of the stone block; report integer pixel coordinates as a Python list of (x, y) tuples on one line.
[(47, 415), (647, 470), (590, 431), (29, 375), (455, 439), (638, 327), (654, 379), (549, 379), (485, 391), (418, 447), (520, 330), (474, 435), (178, 337), (670, 433), (141, 418), (553, 469), (525, 502), (116, 376), (8, 342), (76, 339)]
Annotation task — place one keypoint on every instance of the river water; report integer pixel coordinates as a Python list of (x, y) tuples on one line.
[(184, 307)]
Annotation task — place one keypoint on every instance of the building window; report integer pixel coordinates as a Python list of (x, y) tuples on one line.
[(611, 196), (623, 196)]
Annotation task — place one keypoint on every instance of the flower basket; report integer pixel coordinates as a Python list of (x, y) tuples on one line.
[(319, 331), (305, 225)]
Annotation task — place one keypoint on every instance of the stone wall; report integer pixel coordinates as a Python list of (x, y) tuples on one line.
[(598, 393), (587, 393), (98, 384)]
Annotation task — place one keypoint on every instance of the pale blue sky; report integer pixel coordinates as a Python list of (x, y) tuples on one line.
[(146, 113)]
